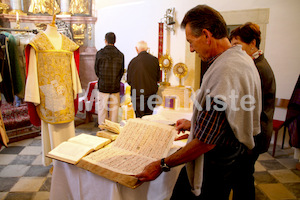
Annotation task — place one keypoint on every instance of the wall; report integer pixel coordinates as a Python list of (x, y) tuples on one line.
[(138, 20)]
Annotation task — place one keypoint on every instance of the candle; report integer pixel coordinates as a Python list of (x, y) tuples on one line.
[(17, 16)]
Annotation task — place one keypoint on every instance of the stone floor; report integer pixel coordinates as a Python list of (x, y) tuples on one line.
[(22, 175)]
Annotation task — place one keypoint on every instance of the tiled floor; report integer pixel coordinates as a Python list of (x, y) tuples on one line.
[(23, 177)]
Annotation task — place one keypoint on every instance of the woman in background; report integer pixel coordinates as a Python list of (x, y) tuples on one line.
[(249, 36)]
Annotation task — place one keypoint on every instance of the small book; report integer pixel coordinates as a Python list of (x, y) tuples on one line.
[(73, 150), (110, 126), (107, 134)]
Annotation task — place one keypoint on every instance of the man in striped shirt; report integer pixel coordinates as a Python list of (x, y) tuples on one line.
[(225, 117)]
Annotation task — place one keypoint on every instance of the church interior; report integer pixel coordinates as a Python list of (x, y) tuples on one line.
[(23, 174)]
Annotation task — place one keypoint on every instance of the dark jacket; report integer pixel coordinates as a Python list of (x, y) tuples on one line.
[(109, 67), (144, 73), (293, 116), (268, 87)]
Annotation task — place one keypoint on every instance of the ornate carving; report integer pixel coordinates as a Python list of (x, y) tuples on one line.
[(64, 28), (43, 6), (79, 7), (78, 33), (3, 8)]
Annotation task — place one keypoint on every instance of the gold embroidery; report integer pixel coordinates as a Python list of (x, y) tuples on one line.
[(55, 79)]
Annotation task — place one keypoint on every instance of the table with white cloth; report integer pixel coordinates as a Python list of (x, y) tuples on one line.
[(71, 182)]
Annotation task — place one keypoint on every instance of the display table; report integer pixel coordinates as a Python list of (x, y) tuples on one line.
[(71, 182)]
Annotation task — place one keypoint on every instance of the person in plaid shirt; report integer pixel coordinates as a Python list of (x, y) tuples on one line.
[(226, 113), (109, 68)]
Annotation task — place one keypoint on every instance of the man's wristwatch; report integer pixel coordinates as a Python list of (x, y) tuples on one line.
[(164, 167)]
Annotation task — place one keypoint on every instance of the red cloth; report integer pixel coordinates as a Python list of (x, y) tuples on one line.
[(34, 118), (91, 87), (160, 42), (76, 57), (277, 124)]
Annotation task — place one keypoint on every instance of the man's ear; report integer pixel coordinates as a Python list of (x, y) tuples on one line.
[(137, 50), (208, 35)]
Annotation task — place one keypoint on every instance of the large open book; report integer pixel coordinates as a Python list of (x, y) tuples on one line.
[(139, 143), (77, 147)]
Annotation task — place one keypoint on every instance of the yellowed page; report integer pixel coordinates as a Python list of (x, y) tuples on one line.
[(119, 160), (139, 143), (69, 152), (147, 138), (92, 141)]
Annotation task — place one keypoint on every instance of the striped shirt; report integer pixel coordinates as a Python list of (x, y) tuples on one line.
[(212, 127)]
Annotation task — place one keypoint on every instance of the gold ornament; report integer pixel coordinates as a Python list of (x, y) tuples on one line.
[(78, 33), (165, 63), (3, 8), (43, 6), (180, 70), (79, 7)]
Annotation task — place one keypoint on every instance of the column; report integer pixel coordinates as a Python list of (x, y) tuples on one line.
[(64, 7), (16, 6)]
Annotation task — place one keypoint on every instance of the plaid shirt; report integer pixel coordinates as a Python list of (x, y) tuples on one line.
[(212, 127), (109, 68)]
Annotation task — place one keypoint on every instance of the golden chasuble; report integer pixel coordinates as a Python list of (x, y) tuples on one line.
[(54, 79)]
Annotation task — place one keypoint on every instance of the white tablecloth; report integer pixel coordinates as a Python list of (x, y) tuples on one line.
[(70, 182)]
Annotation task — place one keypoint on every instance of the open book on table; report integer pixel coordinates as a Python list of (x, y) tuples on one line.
[(139, 143), (77, 147)]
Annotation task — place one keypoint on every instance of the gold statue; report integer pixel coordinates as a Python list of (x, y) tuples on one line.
[(3, 8), (79, 7), (43, 6)]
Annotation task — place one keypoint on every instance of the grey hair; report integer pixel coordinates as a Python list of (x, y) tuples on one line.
[(142, 46)]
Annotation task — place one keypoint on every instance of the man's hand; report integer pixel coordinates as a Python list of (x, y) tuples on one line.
[(183, 125), (189, 152), (150, 172)]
